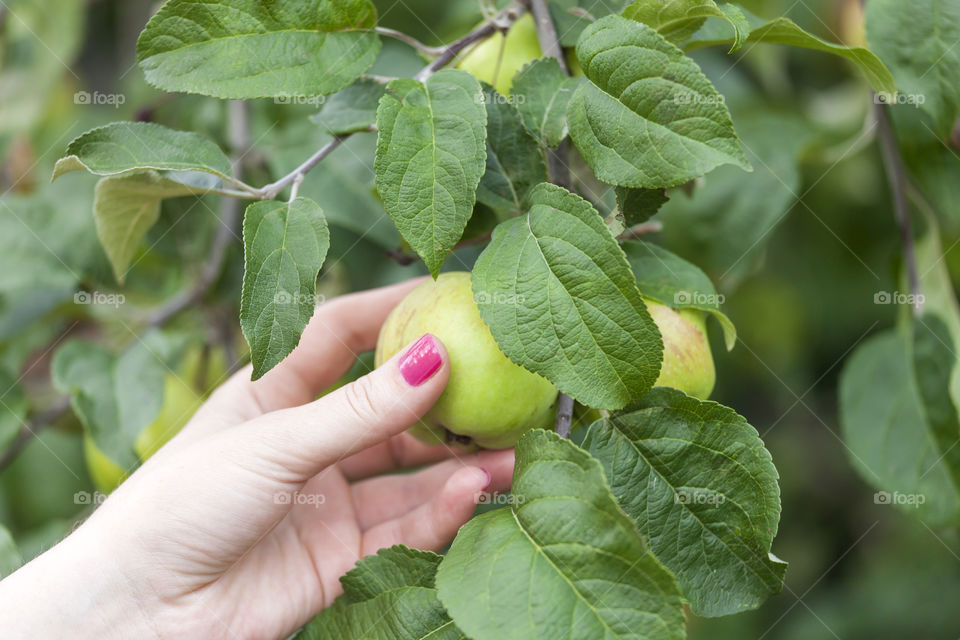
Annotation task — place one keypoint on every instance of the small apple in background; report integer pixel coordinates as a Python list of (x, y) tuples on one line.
[(489, 401), (687, 360), (520, 46)]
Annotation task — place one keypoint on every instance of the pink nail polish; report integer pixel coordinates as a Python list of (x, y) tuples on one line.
[(420, 361), (489, 479)]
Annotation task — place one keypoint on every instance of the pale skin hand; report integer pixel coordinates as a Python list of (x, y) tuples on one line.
[(197, 544)]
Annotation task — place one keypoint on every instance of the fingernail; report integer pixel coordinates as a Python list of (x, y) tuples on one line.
[(420, 361), (489, 479)]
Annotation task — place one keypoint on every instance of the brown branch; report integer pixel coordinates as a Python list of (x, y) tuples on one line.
[(32, 428), (564, 415), (897, 175), (639, 230)]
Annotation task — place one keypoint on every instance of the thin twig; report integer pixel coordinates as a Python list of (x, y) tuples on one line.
[(405, 259), (410, 40), (500, 22), (32, 428), (270, 191), (564, 415), (295, 189), (642, 229), (557, 159), (897, 175), (226, 233)]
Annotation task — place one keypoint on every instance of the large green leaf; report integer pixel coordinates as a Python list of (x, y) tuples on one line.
[(671, 280), (918, 40), (541, 91), (255, 49), (703, 490), (560, 299), (388, 596), (431, 154), (648, 117), (284, 246), (899, 421), (515, 162), (116, 396), (126, 206), (638, 205), (563, 562), (678, 20), (785, 31), (124, 147)]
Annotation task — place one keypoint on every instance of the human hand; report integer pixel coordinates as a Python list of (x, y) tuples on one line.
[(241, 526)]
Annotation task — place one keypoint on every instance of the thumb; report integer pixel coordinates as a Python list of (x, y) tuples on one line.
[(300, 442)]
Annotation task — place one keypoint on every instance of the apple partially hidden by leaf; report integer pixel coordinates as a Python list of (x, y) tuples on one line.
[(489, 401), (520, 46), (687, 360)]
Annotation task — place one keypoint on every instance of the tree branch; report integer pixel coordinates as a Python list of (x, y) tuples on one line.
[(564, 415), (410, 40), (32, 428), (547, 33), (897, 175), (639, 230)]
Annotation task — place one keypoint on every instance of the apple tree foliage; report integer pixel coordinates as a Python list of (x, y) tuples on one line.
[(667, 500)]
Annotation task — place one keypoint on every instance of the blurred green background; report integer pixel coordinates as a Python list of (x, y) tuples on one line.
[(799, 248)]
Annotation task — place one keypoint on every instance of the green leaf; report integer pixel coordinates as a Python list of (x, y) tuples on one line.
[(116, 396), (918, 40), (899, 422), (351, 109), (639, 205), (648, 117), (431, 154), (703, 490), (559, 298), (563, 562), (284, 246), (125, 207), (13, 411), (671, 280), (515, 162), (124, 147), (571, 17), (677, 21), (388, 596), (250, 49), (10, 559), (729, 219), (541, 91), (785, 31)]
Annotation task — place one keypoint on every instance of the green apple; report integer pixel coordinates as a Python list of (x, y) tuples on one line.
[(105, 473), (180, 402), (520, 46), (687, 360), (489, 401)]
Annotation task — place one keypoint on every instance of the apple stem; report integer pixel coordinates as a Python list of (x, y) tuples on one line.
[(564, 415)]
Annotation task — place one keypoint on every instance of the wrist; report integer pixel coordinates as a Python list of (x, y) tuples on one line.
[(77, 589)]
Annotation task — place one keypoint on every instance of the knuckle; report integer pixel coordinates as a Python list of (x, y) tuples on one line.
[(360, 398)]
